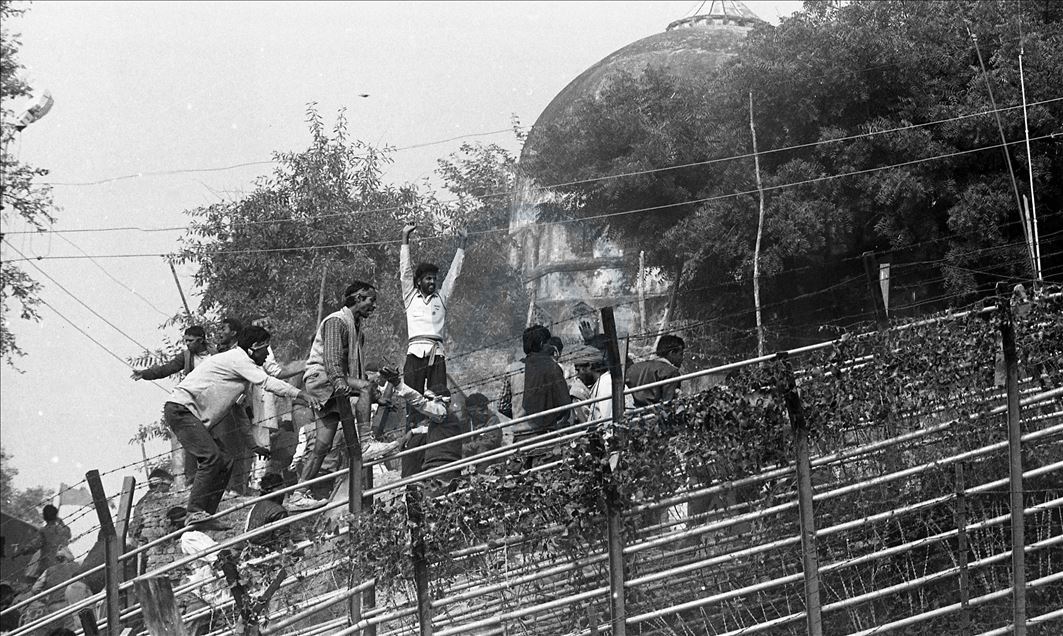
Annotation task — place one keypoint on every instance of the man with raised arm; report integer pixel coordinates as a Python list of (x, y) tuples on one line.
[(335, 373), (425, 297), (203, 398), (196, 351)]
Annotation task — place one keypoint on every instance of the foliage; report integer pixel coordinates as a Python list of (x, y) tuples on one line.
[(24, 198), (24, 504), (838, 89), (862, 388)]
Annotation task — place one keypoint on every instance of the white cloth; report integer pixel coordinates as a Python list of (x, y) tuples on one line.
[(603, 388), (194, 542), (435, 410), (213, 387), (426, 316)]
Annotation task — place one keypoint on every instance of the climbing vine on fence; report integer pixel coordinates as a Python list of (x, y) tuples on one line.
[(724, 433)]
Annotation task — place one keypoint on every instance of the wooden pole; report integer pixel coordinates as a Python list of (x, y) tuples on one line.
[(321, 295), (125, 507), (643, 319), (617, 605), (184, 301), (354, 499), (1032, 211), (760, 234), (112, 551), (872, 271), (1018, 539), (809, 554), (161, 616), (961, 552)]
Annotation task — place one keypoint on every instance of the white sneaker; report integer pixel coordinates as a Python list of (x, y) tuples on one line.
[(301, 500)]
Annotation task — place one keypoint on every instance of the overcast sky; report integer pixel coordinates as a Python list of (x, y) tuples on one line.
[(179, 93)]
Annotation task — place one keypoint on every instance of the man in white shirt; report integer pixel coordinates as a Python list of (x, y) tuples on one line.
[(202, 399), (426, 314), (591, 369)]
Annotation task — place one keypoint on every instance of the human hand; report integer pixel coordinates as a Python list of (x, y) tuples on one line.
[(358, 385), (407, 230), (310, 401), (390, 375), (137, 374), (587, 330), (463, 237)]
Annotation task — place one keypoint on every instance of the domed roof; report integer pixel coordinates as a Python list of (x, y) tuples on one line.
[(689, 46)]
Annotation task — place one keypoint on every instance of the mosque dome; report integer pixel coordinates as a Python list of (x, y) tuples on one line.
[(689, 46)]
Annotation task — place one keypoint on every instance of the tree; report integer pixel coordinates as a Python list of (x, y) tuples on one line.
[(842, 93), (24, 504), (23, 196)]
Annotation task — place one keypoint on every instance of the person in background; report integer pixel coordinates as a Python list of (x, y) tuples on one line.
[(425, 300), (196, 350), (665, 366), (148, 521), (205, 396), (52, 537), (544, 385), (481, 416), (268, 511), (592, 370)]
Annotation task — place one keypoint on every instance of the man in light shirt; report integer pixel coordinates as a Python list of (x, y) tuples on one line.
[(425, 303), (202, 399)]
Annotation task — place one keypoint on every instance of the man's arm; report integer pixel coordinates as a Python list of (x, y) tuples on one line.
[(434, 410), (668, 390), (405, 270), (558, 392), (163, 370), (447, 287), (334, 337)]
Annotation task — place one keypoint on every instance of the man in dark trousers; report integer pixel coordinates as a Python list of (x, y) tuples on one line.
[(206, 396), (425, 298)]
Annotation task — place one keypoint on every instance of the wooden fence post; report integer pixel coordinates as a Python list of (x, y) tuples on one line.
[(961, 549), (111, 551), (1018, 539), (613, 513), (354, 499), (87, 618), (872, 271), (161, 616), (125, 507), (809, 555)]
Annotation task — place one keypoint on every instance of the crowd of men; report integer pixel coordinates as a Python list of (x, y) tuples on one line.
[(235, 397), (227, 394)]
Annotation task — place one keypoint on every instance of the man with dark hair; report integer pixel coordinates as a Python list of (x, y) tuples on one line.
[(228, 333), (445, 418), (196, 350), (426, 314), (544, 384), (663, 367), (335, 373), (52, 537), (481, 416), (206, 396)]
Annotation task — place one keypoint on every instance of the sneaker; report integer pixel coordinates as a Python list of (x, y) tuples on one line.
[(301, 500), (199, 520)]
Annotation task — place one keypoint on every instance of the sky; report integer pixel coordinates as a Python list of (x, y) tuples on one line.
[(161, 107)]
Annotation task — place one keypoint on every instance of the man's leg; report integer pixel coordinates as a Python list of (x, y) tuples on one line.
[(225, 474), (327, 424), (436, 373), (211, 463), (415, 373)]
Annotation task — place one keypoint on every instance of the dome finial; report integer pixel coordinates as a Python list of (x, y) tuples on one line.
[(719, 12)]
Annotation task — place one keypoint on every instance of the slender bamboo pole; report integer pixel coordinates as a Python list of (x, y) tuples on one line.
[(1011, 364), (760, 234), (961, 552), (614, 515)]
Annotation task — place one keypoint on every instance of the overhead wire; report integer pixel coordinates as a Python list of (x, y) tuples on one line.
[(552, 186)]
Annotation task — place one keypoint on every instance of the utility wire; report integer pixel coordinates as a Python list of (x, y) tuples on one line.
[(299, 248), (548, 187)]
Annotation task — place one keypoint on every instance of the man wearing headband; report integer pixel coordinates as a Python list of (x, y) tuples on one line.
[(148, 521), (335, 373), (202, 399), (426, 314)]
